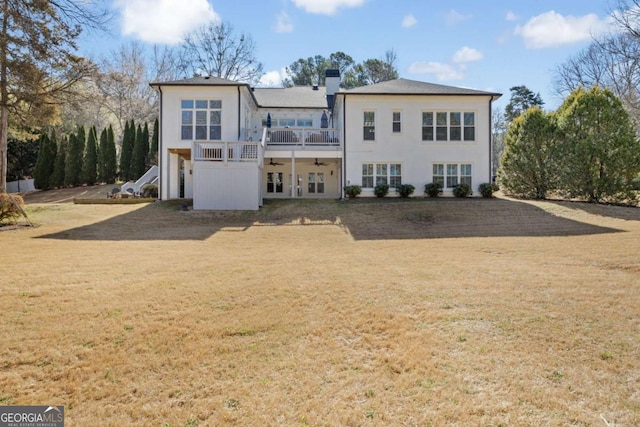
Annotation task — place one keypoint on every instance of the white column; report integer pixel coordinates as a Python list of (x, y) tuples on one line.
[(294, 178)]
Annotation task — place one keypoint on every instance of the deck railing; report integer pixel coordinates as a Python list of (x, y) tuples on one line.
[(303, 137), (228, 151)]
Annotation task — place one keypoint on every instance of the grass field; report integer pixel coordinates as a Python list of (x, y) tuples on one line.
[(362, 313)]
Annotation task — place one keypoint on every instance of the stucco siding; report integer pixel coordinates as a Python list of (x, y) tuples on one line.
[(234, 186), (406, 147)]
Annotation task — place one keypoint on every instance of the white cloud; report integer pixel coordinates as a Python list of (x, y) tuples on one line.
[(455, 17), (511, 16), (326, 7), (467, 54), (442, 72), (409, 21), (163, 21), (552, 29), (273, 78), (284, 24)]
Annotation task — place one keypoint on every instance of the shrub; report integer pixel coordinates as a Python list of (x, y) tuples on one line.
[(381, 190), (487, 189), (405, 190), (149, 191), (462, 190), (433, 189), (11, 206), (352, 191)]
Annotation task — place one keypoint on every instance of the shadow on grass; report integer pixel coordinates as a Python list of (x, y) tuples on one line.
[(610, 211), (362, 219)]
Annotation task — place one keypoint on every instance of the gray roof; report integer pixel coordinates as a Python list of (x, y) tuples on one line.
[(291, 97), (200, 81), (413, 87)]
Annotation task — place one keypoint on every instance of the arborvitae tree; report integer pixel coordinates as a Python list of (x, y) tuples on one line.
[(57, 179), (90, 163), (153, 149), (73, 167), (102, 150), (44, 164), (126, 153), (600, 150), (529, 162), (110, 159), (145, 139), (140, 151)]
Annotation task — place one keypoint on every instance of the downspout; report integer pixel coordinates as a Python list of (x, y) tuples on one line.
[(160, 150), (344, 145), (490, 140), (238, 112)]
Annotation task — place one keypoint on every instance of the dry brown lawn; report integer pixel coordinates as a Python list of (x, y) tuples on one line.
[(362, 313)]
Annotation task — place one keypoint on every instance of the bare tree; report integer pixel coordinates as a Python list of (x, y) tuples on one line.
[(124, 86), (215, 50), (612, 62)]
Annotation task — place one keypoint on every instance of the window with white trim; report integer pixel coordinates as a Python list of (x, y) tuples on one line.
[(381, 173), (396, 122), (451, 174), (369, 126), (201, 119), (448, 126)]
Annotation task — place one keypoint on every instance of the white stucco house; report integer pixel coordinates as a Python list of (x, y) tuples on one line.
[(228, 146)]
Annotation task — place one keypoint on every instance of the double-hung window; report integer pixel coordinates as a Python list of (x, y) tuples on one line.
[(448, 126), (381, 173), (397, 122), (201, 120), (369, 126), (451, 174)]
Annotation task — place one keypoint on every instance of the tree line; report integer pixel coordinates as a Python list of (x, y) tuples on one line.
[(83, 158)]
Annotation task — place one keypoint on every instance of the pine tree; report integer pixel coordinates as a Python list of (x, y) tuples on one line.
[(57, 179), (600, 151), (153, 149), (90, 161), (529, 164)]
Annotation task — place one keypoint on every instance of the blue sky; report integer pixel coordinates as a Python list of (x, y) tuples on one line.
[(488, 45)]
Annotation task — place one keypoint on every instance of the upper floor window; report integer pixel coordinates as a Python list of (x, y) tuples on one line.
[(397, 122), (369, 126), (201, 119), (448, 126)]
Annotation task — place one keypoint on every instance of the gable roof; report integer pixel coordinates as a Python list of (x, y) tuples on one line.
[(291, 97), (414, 87)]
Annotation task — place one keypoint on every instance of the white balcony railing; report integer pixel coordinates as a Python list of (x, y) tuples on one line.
[(303, 137), (228, 151)]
